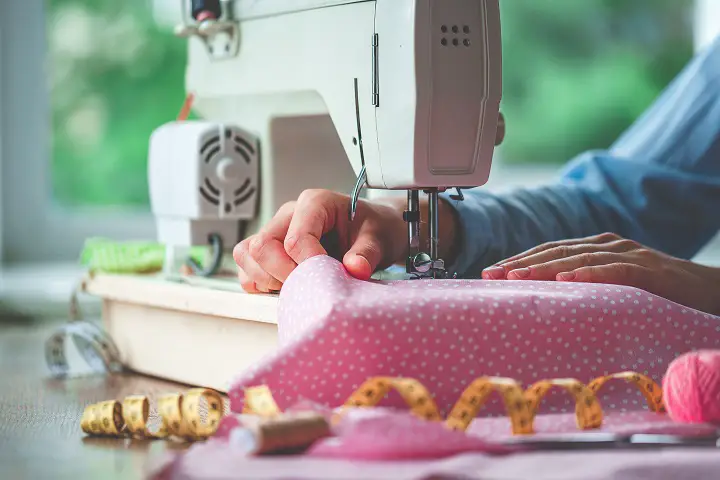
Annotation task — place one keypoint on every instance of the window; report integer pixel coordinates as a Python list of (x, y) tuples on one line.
[(578, 73), (707, 22), (48, 213), (115, 76)]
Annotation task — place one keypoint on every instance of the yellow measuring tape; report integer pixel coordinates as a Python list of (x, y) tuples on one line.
[(181, 415), (521, 406), (588, 413), (192, 416), (475, 396), (375, 389), (650, 390)]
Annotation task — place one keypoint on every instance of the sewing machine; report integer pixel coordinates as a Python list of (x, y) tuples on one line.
[(296, 94)]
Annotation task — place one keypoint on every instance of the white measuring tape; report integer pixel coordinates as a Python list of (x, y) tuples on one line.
[(93, 344)]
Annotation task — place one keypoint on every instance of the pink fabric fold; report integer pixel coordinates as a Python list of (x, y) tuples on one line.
[(336, 331)]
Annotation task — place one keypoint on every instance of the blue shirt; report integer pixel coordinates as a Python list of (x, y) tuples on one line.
[(659, 184)]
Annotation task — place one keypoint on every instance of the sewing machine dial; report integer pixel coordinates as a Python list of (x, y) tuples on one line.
[(229, 170)]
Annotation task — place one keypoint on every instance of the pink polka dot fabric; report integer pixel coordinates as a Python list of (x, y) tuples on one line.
[(621, 423), (336, 331), (394, 435)]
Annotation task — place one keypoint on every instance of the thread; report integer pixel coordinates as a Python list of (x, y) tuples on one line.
[(691, 387), (186, 107), (287, 433)]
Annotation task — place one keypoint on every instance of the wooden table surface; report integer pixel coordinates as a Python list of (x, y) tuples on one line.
[(40, 434)]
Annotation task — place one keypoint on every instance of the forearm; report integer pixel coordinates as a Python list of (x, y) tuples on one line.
[(493, 227)]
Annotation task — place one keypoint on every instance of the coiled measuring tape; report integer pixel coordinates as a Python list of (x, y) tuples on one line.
[(182, 416), (650, 390), (94, 345), (521, 406)]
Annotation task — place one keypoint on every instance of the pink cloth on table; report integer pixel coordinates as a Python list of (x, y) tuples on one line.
[(621, 423), (387, 434), (218, 461), (382, 434), (383, 444), (396, 435), (336, 331)]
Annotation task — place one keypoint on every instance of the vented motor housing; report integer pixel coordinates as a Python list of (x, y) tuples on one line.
[(203, 179)]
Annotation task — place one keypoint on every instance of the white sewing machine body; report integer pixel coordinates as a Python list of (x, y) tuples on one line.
[(411, 87), (205, 161)]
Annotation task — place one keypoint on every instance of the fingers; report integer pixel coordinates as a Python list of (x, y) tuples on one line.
[(296, 234), (595, 239), (613, 274), (364, 256), (256, 279), (555, 252), (292, 236), (550, 269), (314, 216), (246, 282), (269, 254), (590, 254), (267, 250), (262, 260)]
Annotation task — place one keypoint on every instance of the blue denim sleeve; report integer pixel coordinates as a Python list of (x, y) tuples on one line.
[(659, 184)]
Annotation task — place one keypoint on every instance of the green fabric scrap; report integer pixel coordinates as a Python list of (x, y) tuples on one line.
[(107, 256)]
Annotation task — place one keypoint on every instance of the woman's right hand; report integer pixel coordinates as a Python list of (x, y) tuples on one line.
[(376, 238)]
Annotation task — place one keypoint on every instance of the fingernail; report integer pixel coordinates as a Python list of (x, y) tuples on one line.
[(358, 266), (521, 272), (494, 272), (566, 277), (289, 243)]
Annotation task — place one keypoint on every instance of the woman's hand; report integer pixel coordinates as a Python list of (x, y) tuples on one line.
[(375, 239), (610, 259)]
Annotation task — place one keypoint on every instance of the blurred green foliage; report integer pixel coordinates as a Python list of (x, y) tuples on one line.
[(110, 65), (576, 73)]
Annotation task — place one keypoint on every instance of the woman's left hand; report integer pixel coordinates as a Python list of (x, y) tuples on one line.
[(610, 259)]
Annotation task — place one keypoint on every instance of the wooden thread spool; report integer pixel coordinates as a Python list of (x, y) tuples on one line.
[(289, 433)]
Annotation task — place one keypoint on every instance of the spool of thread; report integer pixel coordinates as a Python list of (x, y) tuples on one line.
[(288, 433), (691, 387)]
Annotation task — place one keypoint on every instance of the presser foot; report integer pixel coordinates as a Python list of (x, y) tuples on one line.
[(421, 265)]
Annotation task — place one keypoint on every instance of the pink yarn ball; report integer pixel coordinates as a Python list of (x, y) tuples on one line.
[(691, 387)]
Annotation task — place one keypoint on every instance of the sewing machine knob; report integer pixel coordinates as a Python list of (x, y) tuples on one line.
[(500, 133), (422, 263), (227, 170)]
